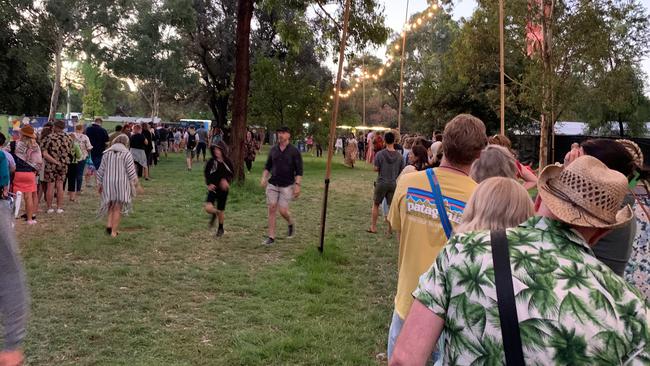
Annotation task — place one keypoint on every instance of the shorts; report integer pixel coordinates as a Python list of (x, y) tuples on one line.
[(384, 190), (164, 146), (189, 153), (54, 173), (218, 196), (201, 147), (280, 196)]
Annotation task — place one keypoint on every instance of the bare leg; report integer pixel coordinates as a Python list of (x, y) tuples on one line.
[(117, 215), (109, 220), (60, 193), (374, 216), (284, 211), (29, 206), (49, 194), (209, 208), (34, 201), (272, 210), (221, 216)]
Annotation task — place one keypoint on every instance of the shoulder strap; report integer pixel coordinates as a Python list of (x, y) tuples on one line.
[(506, 299), (440, 205)]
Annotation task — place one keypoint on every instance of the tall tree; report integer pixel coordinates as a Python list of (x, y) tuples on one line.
[(151, 53), (72, 23), (24, 60), (242, 81)]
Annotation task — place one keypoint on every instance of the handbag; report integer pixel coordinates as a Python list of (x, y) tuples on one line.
[(506, 299)]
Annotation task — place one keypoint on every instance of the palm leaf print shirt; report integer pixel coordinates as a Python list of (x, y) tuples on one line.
[(572, 309)]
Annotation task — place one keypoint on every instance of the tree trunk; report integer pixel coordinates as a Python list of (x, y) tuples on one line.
[(56, 88), (241, 88)]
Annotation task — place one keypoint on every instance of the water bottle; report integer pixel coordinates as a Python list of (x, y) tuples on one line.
[(17, 203)]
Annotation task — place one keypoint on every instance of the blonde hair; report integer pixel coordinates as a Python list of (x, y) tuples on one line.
[(497, 203), (121, 139), (495, 161)]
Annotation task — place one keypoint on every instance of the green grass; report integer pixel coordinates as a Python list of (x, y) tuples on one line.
[(166, 292)]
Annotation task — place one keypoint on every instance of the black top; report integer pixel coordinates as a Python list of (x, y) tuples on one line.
[(147, 135), (137, 141), (98, 138), (215, 171), (284, 165)]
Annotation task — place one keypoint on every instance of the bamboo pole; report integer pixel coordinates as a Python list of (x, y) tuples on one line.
[(502, 68), (401, 71), (335, 112)]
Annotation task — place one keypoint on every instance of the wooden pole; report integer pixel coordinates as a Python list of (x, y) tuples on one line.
[(335, 112), (401, 71), (363, 86), (502, 68)]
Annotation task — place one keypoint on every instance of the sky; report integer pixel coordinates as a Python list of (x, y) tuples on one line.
[(396, 11)]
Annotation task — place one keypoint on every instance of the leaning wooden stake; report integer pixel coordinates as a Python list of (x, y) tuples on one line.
[(335, 113), (401, 72)]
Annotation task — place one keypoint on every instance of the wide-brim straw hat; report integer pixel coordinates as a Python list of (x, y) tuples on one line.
[(585, 193), (28, 131)]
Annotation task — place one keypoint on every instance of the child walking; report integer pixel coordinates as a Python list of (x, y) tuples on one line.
[(218, 175)]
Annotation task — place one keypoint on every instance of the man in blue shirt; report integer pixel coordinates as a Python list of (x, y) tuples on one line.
[(98, 138)]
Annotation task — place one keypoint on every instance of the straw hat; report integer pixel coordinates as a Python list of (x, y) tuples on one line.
[(28, 131), (634, 150), (585, 193)]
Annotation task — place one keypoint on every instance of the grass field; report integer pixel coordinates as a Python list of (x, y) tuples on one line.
[(167, 292)]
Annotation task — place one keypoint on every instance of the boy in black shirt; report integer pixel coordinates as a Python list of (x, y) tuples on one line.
[(218, 175)]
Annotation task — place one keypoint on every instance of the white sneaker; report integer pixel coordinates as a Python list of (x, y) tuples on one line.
[(32, 222), (50, 210), (59, 210)]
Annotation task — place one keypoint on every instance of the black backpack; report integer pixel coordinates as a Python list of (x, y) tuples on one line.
[(191, 141)]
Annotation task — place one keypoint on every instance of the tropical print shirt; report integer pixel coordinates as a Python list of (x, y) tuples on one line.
[(572, 309)]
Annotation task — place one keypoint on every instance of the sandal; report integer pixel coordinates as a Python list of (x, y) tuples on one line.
[(371, 232)]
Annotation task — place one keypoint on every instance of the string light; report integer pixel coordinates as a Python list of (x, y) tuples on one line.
[(390, 58)]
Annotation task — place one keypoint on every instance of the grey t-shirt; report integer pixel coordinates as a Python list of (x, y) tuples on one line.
[(202, 134), (390, 164), (615, 249), (13, 292)]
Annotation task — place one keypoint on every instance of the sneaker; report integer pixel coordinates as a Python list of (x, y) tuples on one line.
[(290, 231), (268, 241), (50, 210), (213, 219), (220, 232), (32, 222), (59, 210)]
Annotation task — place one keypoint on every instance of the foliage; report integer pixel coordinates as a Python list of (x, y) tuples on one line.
[(24, 61), (93, 99)]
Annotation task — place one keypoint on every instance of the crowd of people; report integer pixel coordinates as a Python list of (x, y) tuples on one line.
[(497, 263)]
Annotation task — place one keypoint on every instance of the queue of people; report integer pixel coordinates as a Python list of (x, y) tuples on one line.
[(486, 274)]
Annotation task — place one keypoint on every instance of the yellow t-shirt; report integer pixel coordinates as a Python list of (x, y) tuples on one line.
[(414, 214)]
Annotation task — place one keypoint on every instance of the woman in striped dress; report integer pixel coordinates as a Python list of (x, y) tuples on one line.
[(117, 182)]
